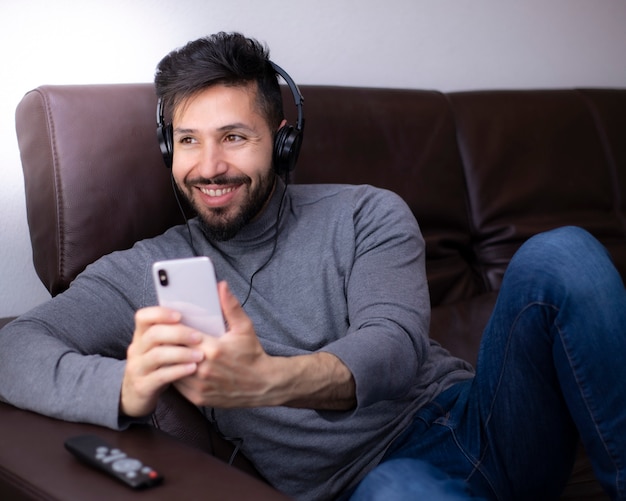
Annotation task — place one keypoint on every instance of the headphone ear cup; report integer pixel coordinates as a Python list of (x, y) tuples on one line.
[(166, 143), (286, 149)]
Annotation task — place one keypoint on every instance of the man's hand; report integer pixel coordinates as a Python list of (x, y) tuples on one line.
[(161, 352), (237, 372)]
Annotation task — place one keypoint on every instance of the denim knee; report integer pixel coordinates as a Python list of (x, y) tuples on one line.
[(564, 243), (569, 256), (407, 478)]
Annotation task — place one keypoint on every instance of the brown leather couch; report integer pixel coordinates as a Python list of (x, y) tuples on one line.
[(482, 171)]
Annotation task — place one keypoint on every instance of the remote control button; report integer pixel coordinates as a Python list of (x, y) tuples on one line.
[(111, 458), (126, 465)]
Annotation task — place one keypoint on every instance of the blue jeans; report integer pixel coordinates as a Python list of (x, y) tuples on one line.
[(551, 370)]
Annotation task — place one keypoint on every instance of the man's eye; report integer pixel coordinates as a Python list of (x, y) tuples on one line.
[(186, 140), (233, 138)]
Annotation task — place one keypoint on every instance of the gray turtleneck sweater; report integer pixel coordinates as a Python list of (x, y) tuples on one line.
[(346, 276)]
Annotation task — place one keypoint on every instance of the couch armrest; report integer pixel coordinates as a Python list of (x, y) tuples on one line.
[(35, 465)]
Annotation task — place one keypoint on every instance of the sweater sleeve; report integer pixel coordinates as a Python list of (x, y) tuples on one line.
[(388, 302), (66, 357)]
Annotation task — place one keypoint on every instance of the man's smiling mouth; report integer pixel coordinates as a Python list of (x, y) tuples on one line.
[(216, 192)]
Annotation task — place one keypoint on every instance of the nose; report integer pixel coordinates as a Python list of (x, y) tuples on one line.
[(211, 161), (206, 160)]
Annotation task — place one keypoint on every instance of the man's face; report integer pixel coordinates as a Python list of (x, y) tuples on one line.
[(223, 157)]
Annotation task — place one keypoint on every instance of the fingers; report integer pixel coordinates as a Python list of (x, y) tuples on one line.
[(162, 351), (154, 315), (151, 329)]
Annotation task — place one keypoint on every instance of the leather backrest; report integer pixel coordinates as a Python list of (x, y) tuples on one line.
[(94, 178), (536, 160), (482, 171)]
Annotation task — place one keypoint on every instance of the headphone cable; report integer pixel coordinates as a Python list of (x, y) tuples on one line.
[(182, 211), (276, 234)]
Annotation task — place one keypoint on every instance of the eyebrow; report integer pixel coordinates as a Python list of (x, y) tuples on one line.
[(224, 128), (178, 130)]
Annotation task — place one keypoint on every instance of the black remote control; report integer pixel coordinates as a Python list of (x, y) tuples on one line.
[(97, 453)]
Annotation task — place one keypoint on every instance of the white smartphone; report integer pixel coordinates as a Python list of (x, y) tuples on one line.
[(189, 286)]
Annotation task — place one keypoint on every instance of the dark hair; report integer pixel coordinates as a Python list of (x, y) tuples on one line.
[(222, 58)]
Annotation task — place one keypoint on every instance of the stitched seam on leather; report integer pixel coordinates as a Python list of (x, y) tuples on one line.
[(57, 187), (477, 268)]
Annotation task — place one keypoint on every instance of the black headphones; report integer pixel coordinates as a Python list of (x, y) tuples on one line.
[(287, 142)]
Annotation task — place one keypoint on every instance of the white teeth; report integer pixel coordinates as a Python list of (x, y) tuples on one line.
[(216, 193)]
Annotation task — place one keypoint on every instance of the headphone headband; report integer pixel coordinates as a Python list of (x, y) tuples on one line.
[(295, 92), (287, 142)]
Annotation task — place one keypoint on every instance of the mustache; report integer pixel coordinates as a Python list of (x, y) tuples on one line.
[(219, 180)]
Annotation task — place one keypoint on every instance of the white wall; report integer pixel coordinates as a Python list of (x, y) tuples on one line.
[(435, 44)]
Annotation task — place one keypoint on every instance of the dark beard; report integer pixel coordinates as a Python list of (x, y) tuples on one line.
[(220, 228)]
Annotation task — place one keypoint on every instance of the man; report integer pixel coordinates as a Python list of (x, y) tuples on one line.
[(326, 371)]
